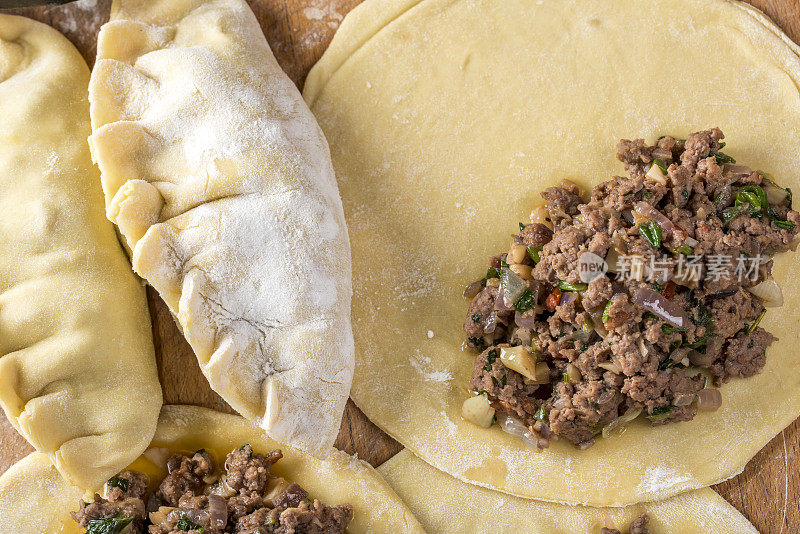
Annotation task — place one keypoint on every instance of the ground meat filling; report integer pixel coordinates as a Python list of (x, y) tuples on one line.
[(639, 526), (687, 239), (244, 498), (185, 477)]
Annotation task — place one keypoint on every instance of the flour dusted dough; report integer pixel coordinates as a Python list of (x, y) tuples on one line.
[(462, 508), (77, 369), (447, 118), (220, 180), (31, 490)]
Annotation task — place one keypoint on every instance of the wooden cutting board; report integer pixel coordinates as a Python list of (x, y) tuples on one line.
[(767, 492)]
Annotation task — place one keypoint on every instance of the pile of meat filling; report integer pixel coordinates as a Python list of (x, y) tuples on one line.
[(194, 498), (682, 254)]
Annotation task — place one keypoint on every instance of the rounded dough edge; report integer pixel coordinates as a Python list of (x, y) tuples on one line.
[(474, 455)]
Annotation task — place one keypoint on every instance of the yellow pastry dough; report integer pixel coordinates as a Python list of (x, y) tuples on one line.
[(446, 505), (77, 369), (220, 180), (37, 501), (447, 118)]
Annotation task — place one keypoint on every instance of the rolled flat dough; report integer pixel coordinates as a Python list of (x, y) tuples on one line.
[(461, 508), (446, 119)]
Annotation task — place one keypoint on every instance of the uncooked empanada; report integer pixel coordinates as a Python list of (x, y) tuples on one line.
[(221, 182), (78, 374)]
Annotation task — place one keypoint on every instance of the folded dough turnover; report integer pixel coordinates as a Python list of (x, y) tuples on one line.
[(220, 180), (78, 375)]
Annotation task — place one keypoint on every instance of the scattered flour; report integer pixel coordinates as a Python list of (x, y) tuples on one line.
[(422, 364), (660, 479), (321, 10), (83, 15), (314, 13)]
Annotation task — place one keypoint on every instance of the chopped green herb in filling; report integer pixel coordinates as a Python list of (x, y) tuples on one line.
[(661, 413), (526, 301), (533, 253), (185, 524), (108, 525), (652, 233), (118, 482), (565, 286)]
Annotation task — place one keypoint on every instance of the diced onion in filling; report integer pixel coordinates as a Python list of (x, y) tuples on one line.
[(542, 373), (612, 260), (769, 292), (642, 347), (275, 488), (157, 455), (574, 374), (709, 400), (500, 301), (657, 175), (700, 359), (217, 512), (618, 425), (514, 427), (610, 366), (525, 320), (775, 195), (664, 308), (222, 488), (478, 411), (513, 286), (162, 515), (737, 172), (519, 359)]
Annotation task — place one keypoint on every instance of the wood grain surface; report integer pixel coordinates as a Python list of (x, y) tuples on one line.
[(767, 492)]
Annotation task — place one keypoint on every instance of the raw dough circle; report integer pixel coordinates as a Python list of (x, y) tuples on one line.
[(447, 118), (415, 481)]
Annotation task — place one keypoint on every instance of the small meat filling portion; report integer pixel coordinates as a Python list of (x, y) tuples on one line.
[(194, 497), (639, 526), (683, 248)]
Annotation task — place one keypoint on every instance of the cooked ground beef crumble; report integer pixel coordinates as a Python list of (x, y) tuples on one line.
[(639, 526), (244, 499), (560, 357)]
